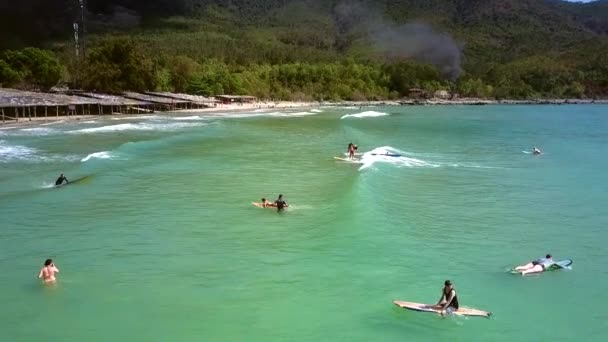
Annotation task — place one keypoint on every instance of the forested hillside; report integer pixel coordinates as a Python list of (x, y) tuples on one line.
[(329, 49)]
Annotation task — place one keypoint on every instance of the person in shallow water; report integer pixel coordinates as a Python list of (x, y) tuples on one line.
[(61, 179), (48, 271), (536, 150), (280, 203), (538, 265), (448, 303), (266, 203)]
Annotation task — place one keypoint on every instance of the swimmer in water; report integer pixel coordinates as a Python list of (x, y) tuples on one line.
[(47, 273), (280, 203)]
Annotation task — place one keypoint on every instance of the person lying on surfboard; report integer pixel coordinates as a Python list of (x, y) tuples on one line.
[(536, 266), (266, 203), (61, 179), (280, 203), (448, 303), (535, 150)]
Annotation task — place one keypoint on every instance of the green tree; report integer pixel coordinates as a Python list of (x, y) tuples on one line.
[(119, 65), (37, 68)]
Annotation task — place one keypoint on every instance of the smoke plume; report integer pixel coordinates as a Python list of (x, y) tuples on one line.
[(417, 41)]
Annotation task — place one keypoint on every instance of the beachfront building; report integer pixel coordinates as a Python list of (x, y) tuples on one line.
[(230, 99), (442, 94)]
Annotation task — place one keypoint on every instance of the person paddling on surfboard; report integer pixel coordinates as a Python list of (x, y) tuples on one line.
[(61, 179), (280, 203), (266, 203), (448, 302), (536, 150), (536, 266)]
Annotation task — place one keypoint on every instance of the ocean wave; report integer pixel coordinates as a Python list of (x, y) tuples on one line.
[(391, 155), (98, 155), (15, 152), (11, 153), (188, 118), (316, 110), (142, 126), (138, 117), (368, 114), (36, 131)]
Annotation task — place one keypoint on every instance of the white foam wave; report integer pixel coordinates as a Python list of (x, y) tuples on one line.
[(138, 117), (189, 118), (142, 126), (368, 114), (391, 155), (316, 110), (15, 152), (98, 155), (38, 131)]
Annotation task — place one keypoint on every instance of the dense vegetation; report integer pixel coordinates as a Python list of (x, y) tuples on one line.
[(313, 49)]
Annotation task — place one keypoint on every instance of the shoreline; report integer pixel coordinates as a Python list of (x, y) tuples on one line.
[(282, 105)]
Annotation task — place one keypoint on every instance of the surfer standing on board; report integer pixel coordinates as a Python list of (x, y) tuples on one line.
[(47, 273), (448, 303), (536, 266), (280, 203), (61, 179), (351, 150)]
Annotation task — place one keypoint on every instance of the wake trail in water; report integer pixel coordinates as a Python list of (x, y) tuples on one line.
[(368, 114), (391, 155)]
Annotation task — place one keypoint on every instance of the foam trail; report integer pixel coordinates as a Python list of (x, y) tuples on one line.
[(369, 114), (98, 155), (391, 155), (15, 152), (316, 110)]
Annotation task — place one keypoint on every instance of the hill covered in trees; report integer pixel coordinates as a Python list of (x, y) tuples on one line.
[(324, 49)]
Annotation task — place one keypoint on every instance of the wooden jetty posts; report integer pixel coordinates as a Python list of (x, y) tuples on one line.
[(18, 105)]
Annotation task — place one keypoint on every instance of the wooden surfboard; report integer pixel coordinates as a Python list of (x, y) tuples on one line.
[(429, 308)]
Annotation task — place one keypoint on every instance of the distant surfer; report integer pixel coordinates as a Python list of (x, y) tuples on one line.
[(448, 303), (60, 180), (280, 203), (47, 273), (536, 266), (536, 151)]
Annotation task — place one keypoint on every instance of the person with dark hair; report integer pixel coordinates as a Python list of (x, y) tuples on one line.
[(448, 303), (61, 179), (280, 203), (536, 151), (536, 266), (48, 271), (266, 203)]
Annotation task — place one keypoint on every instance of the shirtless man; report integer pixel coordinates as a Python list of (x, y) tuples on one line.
[(48, 272)]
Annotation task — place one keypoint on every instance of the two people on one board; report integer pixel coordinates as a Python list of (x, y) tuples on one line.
[(536, 266), (48, 271), (280, 203), (352, 148), (61, 179)]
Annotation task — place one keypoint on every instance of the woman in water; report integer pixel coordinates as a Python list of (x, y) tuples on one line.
[(47, 272)]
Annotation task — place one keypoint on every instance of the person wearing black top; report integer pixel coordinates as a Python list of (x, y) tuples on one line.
[(448, 302), (61, 179), (280, 203)]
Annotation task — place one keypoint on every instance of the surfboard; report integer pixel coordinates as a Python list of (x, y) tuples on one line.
[(354, 161), (260, 205), (429, 308), (558, 265), (72, 182)]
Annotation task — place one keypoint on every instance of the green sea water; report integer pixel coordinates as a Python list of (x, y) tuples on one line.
[(161, 242)]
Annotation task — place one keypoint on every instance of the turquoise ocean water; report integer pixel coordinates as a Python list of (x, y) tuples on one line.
[(161, 242)]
